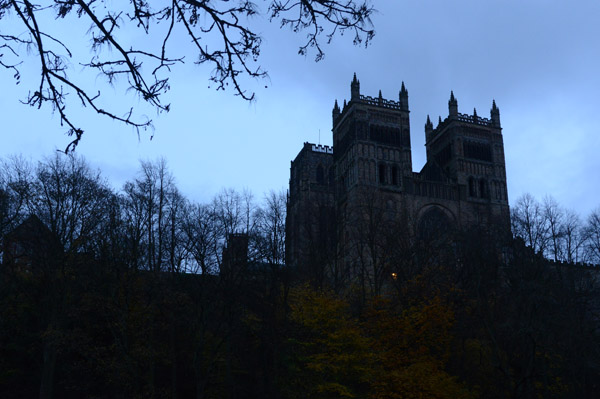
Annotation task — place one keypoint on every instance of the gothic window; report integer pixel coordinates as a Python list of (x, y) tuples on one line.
[(483, 189), (320, 175), (382, 171), (434, 224), (472, 189), (406, 138), (479, 151), (395, 175)]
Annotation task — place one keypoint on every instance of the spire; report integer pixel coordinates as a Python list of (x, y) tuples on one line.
[(380, 96), (355, 88), (439, 120), (403, 98), (475, 112), (336, 112), (495, 115), (452, 105), (344, 104), (428, 128)]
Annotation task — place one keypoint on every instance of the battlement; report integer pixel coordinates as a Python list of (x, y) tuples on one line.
[(477, 120), (582, 265), (380, 102), (322, 148), (356, 98), (473, 119)]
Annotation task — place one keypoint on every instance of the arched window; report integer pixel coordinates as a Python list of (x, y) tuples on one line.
[(483, 189), (472, 192), (382, 172), (395, 175), (496, 190), (406, 138), (320, 175), (434, 224)]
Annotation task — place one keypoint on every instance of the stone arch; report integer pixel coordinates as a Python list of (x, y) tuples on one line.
[(434, 221)]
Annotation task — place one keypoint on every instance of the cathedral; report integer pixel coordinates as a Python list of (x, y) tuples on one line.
[(368, 170)]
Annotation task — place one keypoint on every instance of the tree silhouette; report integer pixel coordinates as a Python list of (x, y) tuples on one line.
[(219, 31)]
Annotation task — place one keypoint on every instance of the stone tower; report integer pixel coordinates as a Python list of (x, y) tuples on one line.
[(371, 137), (310, 223)]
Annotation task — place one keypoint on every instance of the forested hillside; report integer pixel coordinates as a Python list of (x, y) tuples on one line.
[(137, 292)]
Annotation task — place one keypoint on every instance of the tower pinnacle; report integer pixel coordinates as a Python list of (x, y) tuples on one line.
[(428, 128), (336, 111), (452, 105), (403, 98), (495, 114), (355, 88)]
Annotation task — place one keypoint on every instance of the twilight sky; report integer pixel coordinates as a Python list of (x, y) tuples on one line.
[(539, 59)]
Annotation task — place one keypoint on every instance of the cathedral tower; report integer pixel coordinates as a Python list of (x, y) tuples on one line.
[(371, 137)]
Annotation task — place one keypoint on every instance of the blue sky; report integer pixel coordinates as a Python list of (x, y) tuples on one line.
[(539, 60)]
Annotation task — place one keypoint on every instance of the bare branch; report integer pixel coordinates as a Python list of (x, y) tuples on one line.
[(233, 56)]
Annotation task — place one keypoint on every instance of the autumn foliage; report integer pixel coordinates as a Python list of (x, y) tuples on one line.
[(383, 352)]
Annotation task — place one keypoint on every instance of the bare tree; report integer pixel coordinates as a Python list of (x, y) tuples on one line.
[(153, 210), (15, 192), (220, 34), (70, 199), (201, 235), (371, 234), (593, 236), (270, 237), (530, 223), (554, 216), (573, 237)]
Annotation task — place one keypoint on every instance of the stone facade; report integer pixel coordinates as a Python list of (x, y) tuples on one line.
[(463, 182)]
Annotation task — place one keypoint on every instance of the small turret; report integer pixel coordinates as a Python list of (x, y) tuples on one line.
[(452, 105), (495, 114), (380, 98), (336, 112), (355, 88), (475, 113), (428, 128), (403, 98), (439, 120)]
